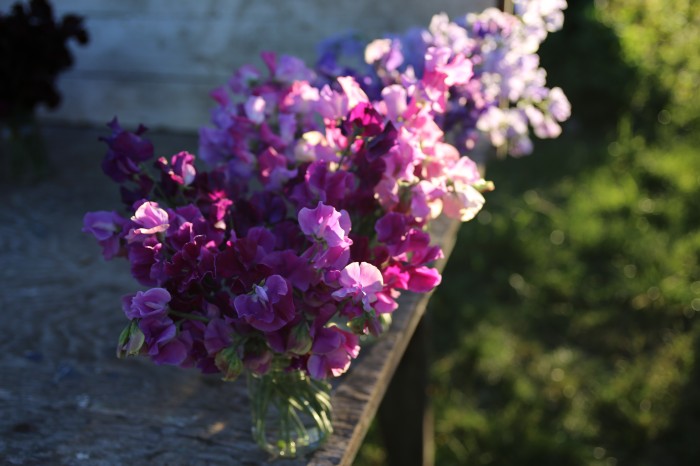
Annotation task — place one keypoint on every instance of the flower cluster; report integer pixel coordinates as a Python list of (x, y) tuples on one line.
[(506, 94), (310, 217), (307, 224)]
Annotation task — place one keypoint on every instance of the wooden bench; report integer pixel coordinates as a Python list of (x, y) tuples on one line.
[(66, 400)]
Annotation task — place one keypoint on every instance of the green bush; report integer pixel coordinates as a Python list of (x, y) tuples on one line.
[(661, 39), (585, 59), (575, 342)]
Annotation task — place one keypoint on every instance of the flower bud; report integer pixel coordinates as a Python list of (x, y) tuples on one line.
[(229, 363), (299, 340), (130, 340)]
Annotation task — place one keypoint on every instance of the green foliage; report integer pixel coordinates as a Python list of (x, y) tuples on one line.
[(661, 39), (585, 59), (575, 343)]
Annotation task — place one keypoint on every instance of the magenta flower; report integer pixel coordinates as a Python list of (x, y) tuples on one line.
[(423, 279), (269, 306), (182, 169), (332, 351), (361, 281), (151, 303), (364, 120)]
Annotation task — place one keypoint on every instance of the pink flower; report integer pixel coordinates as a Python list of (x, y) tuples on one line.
[(255, 109), (151, 218), (395, 103), (331, 105), (462, 203), (353, 91), (361, 281)]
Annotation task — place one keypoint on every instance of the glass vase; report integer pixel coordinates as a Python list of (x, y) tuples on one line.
[(291, 412)]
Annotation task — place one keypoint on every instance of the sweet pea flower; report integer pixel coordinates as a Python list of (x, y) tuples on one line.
[(268, 307), (394, 100), (385, 51), (360, 281), (331, 105), (217, 336), (423, 279), (151, 218), (126, 151), (324, 223), (313, 146), (353, 92), (106, 227), (182, 171), (426, 200), (332, 351), (150, 303), (462, 203), (162, 344), (255, 109)]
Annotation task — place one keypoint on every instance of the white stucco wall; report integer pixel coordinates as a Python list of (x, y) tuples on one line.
[(154, 61)]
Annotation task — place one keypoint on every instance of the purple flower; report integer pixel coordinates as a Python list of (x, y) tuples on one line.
[(361, 281), (269, 306), (151, 303), (174, 352), (107, 228), (126, 151), (324, 223), (145, 258), (332, 351), (392, 228), (217, 335), (163, 344)]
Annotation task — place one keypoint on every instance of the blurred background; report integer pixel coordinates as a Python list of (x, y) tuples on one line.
[(566, 330)]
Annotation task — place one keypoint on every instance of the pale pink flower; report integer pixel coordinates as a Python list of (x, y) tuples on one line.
[(361, 281)]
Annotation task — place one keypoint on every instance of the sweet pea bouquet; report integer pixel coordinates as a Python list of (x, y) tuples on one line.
[(310, 215)]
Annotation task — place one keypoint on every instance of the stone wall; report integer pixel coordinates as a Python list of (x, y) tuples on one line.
[(154, 61)]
